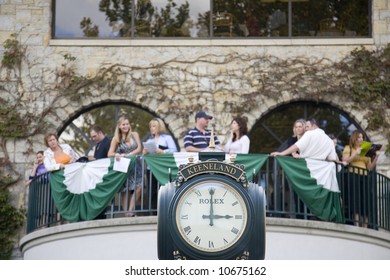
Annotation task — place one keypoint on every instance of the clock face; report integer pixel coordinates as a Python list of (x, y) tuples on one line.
[(211, 216)]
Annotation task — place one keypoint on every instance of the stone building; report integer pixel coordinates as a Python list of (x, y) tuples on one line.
[(57, 79)]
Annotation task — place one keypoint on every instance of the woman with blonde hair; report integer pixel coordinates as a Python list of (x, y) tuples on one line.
[(360, 194), (163, 141), (127, 143), (298, 131)]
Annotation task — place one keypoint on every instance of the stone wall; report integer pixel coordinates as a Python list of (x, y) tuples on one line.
[(171, 78)]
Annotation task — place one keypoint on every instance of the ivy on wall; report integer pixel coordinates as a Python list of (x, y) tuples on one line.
[(11, 219), (362, 79), (368, 85)]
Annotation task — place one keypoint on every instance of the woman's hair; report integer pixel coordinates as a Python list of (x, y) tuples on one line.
[(39, 153), (353, 140), (243, 127), (302, 121), (48, 135), (161, 129), (118, 133)]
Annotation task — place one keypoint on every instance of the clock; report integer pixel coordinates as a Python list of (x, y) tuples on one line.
[(211, 216)]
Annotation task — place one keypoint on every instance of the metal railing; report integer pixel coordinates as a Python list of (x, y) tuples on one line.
[(365, 198)]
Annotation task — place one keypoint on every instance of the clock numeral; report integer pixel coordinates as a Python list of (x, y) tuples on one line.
[(211, 244), (238, 217), (187, 230), (234, 230), (224, 194), (198, 193), (225, 241), (185, 217), (188, 203), (234, 203), (197, 240)]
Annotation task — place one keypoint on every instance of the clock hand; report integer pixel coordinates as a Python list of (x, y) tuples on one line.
[(222, 216), (211, 191)]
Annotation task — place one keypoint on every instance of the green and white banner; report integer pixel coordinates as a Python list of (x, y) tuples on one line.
[(316, 184), (163, 164), (83, 190)]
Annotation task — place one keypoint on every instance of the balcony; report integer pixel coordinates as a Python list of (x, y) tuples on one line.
[(286, 214)]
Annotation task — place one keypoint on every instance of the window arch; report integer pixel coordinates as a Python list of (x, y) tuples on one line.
[(76, 131), (276, 126)]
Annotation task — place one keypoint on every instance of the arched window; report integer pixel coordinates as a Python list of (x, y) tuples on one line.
[(276, 126), (76, 131)]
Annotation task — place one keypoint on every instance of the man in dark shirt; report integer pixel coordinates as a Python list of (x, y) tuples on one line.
[(102, 142), (101, 151), (197, 139)]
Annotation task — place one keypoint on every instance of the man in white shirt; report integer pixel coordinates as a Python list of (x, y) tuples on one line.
[(314, 144)]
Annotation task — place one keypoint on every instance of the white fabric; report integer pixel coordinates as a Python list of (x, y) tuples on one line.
[(49, 160), (83, 177), (241, 146), (324, 172), (315, 144), (182, 158)]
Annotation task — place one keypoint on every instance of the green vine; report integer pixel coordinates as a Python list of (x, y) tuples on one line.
[(11, 219), (369, 76), (14, 119), (13, 53)]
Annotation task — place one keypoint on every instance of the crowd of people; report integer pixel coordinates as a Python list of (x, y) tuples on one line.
[(313, 143), (307, 141)]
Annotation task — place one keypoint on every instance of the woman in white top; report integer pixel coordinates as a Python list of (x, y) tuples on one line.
[(57, 155), (238, 142)]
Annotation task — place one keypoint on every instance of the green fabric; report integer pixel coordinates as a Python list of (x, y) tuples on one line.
[(322, 202), (88, 205), (160, 164), (252, 162)]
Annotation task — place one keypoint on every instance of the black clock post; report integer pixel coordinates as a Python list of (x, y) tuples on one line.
[(211, 212)]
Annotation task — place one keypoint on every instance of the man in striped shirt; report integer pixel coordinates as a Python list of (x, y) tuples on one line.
[(197, 139)]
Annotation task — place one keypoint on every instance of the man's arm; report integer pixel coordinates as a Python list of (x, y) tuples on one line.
[(292, 149), (193, 149)]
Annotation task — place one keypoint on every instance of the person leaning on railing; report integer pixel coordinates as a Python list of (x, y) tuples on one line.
[(314, 144), (361, 191), (38, 167), (57, 155), (127, 143)]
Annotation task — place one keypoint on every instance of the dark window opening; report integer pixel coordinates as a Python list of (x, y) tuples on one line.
[(276, 126)]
